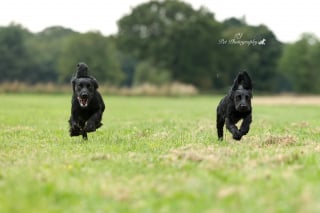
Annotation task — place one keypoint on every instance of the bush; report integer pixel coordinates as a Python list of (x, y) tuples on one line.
[(173, 89)]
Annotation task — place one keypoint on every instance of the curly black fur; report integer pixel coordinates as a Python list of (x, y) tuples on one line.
[(87, 105), (236, 105), (82, 71)]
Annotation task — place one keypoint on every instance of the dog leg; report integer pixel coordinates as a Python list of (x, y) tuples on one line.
[(74, 128), (245, 126), (233, 129), (220, 124), (74, 132), (84, 135), (94, 122)]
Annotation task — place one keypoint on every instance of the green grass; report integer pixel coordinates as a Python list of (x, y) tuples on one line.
[(156, 155)]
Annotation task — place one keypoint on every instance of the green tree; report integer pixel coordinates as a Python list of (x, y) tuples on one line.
[(260, 60), (15, 61), (146, 72), (144, 32), (95, 50), (194, 50), (173, 36), (46, 47), (300, 64)]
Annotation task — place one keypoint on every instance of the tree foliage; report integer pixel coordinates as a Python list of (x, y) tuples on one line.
[(96, 51), (161, 42), (259, 59), (300, 65), (16, 60), (146, 72), (47, 47), (173, 36)]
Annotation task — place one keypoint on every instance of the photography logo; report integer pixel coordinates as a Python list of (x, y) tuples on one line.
[(240, 41)]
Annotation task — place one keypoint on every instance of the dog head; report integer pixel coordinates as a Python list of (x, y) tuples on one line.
[(84, 89), (82, 72), (83, 85), (241, 92)]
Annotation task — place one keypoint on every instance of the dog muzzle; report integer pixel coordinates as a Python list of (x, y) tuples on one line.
[(83, 101)]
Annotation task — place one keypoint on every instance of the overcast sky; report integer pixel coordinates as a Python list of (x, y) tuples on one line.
[(287, 19)]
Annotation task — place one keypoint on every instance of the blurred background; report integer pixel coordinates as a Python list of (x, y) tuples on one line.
[(160, 47)]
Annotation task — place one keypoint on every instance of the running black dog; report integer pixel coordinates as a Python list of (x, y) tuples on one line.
[(87, 105), (236, 106)]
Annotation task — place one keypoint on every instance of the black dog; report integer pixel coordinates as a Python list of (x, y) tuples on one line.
[(87, 105), (236, 106)]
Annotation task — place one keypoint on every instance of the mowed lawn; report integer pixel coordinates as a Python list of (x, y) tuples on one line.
[(157, 154)]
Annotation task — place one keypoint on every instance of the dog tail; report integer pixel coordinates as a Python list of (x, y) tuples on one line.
[(243, 79), (82, 70)]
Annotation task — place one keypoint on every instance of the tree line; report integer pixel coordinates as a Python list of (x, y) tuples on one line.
[(161, 42)]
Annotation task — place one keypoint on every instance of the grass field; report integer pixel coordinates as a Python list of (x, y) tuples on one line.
[(158, 155)]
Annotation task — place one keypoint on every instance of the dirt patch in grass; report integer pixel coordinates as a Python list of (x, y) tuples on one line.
[(289, 158), (303, 124), (199, 154), (285, 140), (192, 153), (18, 128), (229, 191)]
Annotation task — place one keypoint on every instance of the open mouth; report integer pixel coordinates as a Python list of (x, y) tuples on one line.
[(83, 101)]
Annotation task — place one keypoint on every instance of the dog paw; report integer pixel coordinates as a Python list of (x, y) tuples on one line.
[(244, 132), (84, 136), (237, 136), (90, 127), (99, 125), (74, 126), (75, 132)]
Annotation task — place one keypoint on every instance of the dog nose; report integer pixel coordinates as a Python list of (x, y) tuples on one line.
[(84, 95), (243, 107)]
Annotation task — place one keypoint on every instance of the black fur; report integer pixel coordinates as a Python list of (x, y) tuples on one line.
[(87, 105), (82, 70), (236, 106)]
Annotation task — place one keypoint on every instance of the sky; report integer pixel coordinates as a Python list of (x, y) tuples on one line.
[(287, 19)]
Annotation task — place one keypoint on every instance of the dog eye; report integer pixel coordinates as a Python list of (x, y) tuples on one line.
[(238, 97)]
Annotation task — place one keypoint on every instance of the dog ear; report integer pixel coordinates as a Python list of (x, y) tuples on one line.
[(73, 83), (95, 82), (242, 80)]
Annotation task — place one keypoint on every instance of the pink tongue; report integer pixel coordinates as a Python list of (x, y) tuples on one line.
[(83, 101)]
